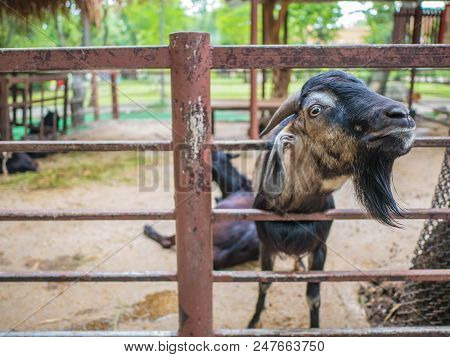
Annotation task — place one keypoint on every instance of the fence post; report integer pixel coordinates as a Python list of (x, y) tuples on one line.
[(5, 130), (115, 101), (94, 96), (191, 131), (254, 112)]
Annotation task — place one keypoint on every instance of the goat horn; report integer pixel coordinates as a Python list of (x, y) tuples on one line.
[(288, 107)]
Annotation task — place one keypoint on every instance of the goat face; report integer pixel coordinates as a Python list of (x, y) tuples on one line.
[(349, 130)]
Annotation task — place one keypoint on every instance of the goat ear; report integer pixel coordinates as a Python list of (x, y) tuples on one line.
[(274, 175)]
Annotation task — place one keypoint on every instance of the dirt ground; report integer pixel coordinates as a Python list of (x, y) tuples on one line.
[(120, 246)]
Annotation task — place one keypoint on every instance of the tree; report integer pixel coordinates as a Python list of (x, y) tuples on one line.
[(306, 23), (142, 18), (380, 19), (233, 24)]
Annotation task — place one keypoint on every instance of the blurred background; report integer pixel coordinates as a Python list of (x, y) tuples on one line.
[(136, 105)]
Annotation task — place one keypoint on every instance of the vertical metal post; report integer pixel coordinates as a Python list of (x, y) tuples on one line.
[(254, 125), (66, 102), (5, 130), (94, 97), (191, 131), (417, 30), (115, 102)]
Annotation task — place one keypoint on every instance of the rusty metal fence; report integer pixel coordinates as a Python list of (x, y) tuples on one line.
[(191, 58)]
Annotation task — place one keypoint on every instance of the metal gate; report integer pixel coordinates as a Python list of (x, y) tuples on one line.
[(191, 58)]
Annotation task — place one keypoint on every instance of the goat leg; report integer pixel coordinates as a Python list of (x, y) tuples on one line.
[(164, 241), (316, 261), (267, 261)]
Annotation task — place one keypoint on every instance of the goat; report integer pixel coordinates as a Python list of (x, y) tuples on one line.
[(16, 162), (334, 129), (234, 242), (51, 120)]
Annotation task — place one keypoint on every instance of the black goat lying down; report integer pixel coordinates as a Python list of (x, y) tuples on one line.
[(17, 162), (334, 129), (234, 242)]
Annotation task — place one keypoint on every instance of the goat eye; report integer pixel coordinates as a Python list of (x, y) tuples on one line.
[(315, 110)]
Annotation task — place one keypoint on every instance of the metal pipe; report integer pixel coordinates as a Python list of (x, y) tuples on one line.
[(216, 215), (409, 331), (115, 101), (254, 120), (86, 215), (356, 56), (94, 96), (191, 130), (232, 57), (435, 275), (5, 129), (82, 145), (419, 331), (332, 214), (130, 145)]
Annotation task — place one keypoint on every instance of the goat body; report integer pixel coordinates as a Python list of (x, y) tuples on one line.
[(334, 129), (17, 162), (234, 242)]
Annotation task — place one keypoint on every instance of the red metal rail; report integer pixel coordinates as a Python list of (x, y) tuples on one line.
[(232, 276), (191, 58), (412, 331), (128, 145), (231, 57), (247, 214)]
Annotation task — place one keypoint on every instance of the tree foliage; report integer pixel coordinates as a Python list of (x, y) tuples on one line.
[(313, 22), (380, 19)]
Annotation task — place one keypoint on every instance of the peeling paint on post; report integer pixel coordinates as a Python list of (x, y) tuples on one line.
[(191, 113)]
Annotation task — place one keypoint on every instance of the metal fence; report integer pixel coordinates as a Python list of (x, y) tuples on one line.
[(191, 58)]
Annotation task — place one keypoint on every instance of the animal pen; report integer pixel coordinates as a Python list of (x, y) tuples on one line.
[(191, 58)]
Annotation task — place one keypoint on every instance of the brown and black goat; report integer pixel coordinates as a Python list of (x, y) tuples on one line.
[(334, 129), (11, 163), (234, 242)]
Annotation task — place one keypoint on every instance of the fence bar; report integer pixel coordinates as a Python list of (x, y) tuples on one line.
[(105, 333), (332, 214), (231, 57), (423, 331), (365, 56), (322, 276), (128, 145), (217, 215), (83, 58), (410, 331), (191, 130), (86, 215), (437, 275), (72, 145)]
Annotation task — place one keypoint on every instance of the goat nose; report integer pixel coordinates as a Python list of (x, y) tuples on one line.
[(397, 112)]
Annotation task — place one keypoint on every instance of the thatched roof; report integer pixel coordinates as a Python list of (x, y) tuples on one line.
[(40, 8)]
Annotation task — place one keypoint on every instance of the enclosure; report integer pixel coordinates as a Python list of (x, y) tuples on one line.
[(190, 57)]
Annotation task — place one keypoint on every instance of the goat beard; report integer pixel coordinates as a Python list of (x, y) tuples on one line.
[(372, 178)]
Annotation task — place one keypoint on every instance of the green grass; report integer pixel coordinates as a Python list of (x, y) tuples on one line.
[(74, 169), (433, 90), (142, 96)]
